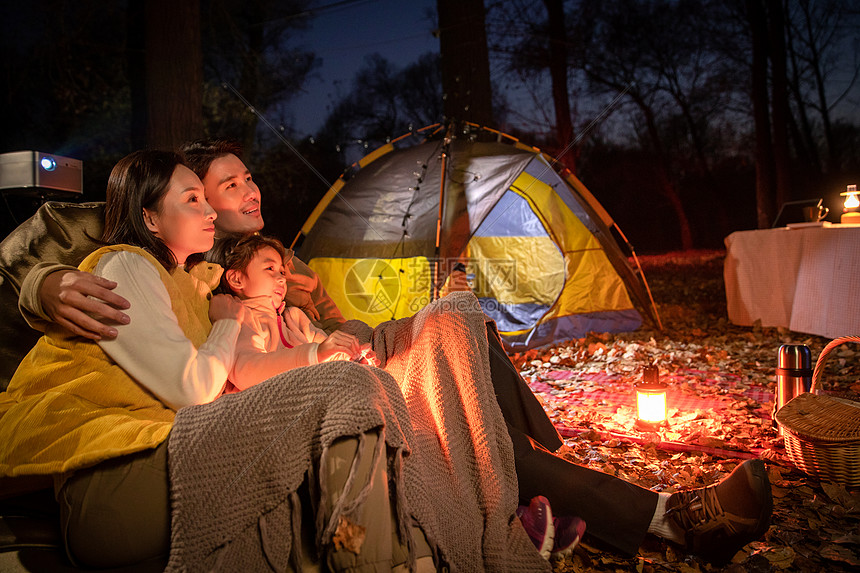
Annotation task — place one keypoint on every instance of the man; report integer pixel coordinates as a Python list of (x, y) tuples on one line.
[(713, 522)]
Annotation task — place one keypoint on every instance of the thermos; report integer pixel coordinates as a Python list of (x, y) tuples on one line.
[(793, 372)]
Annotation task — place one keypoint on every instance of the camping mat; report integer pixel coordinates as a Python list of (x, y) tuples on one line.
[(611, 397), (688, 390)]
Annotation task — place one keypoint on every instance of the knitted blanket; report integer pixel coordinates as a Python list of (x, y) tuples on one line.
[(236, 463)]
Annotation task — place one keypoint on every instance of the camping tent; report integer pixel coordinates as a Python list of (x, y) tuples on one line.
[(536, 245)]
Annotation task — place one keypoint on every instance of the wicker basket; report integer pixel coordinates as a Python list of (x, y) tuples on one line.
[(822, 433)]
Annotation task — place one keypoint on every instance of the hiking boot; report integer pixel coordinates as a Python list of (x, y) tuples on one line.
[(720, 519), (568, 532), (536, 518)]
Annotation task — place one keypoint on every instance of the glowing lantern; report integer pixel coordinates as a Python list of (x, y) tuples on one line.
[(650, 399), (851, 207)]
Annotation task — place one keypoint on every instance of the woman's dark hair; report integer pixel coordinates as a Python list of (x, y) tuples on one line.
[(139, 181), (200, 154), (235, 253)]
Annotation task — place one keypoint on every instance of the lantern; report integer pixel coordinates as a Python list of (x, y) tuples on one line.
[(650, 400), (851, 207)]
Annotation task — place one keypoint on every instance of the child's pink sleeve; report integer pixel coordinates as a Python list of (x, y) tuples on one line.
[(254, 364)]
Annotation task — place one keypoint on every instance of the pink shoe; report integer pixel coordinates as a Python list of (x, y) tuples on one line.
[(538, 523), (568, 532)]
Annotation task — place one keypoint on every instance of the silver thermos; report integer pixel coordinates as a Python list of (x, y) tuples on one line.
[(793, 373)]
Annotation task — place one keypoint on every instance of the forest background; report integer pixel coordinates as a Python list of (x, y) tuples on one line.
[(688, 120)]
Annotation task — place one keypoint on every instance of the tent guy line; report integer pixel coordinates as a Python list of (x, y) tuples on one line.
[(267, 123)]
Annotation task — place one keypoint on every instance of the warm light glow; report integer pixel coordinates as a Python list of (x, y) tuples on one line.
[(851, 200), (651, 403)]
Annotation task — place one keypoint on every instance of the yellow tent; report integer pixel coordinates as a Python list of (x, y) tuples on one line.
[(538, 248)]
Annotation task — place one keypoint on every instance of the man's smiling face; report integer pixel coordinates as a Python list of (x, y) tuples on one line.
[(231, 191)]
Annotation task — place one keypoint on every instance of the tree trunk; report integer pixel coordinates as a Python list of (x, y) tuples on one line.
[(763, 149), (668, 188), (558, 74), (174, 73), (249, 79), (779, 102), (671, 194), (804, 140), (465, 61), (816, 64), (136, 61)]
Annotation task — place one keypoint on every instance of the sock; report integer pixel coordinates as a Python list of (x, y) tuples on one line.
[(661, 525)]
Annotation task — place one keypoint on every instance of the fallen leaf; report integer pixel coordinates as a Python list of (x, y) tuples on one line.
[(778, 491), (349, 535), (840, 554), (710, 442), (780, 557)]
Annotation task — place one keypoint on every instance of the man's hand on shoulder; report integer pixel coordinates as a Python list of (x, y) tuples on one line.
[(65, 297)]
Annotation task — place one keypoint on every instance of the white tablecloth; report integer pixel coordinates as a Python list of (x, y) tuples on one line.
[(805, 279)]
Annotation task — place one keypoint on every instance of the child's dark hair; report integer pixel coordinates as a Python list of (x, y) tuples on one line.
[(235, 253)]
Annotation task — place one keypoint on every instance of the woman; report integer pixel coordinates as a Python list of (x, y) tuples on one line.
[(107, 451)]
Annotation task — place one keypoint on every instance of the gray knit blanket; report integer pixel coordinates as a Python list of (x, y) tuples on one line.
[(235, 464)]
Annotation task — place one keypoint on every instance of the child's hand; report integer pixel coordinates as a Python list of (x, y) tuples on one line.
[(226, 306), (367, 356), (338, 346)]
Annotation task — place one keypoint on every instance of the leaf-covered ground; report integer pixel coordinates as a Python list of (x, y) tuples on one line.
[(721, 380)]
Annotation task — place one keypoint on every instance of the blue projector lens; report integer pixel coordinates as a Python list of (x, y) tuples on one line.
[(48, 163)]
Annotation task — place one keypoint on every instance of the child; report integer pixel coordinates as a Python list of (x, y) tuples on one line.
[(273, 338)]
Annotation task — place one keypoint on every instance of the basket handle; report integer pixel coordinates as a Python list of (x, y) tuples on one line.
[(822, 358)]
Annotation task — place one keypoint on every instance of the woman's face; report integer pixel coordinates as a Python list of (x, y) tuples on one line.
[(184, 220)]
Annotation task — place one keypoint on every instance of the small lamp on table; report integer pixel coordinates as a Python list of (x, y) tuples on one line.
[(851, 206)]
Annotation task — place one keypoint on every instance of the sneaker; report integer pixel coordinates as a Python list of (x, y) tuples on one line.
[(568, 532), (720, 519), (536, 518)]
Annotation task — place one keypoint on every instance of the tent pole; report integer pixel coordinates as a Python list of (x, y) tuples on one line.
[(437, 252)]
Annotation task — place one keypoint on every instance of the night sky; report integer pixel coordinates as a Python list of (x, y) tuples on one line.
[(344, 34)]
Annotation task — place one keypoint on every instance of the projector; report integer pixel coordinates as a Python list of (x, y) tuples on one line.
[(37, 173)]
